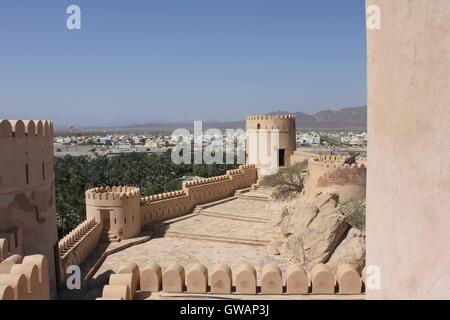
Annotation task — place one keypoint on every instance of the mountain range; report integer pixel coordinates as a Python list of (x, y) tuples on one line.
[(352, 117)]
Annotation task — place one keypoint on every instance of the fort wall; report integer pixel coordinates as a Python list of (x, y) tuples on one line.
[(328, 173), (76, 246), (27, 196), (169, 205)]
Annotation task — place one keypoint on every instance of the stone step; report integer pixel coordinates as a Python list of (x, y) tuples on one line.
[(253, 197), (234, 217), (253, 242)]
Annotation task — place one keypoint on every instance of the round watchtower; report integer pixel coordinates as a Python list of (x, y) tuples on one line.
[(27, 196), (117, 208), (270, 142)]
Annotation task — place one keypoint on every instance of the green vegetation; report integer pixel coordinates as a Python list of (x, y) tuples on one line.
[(355, 213), (330, 141), (287, 182), (153, 174)]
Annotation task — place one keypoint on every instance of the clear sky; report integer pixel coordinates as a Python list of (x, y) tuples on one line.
[(141, 61)]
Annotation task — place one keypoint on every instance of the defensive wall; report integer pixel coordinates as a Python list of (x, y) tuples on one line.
[(174, 204), (76, 246), (27, 196), (221, 279), (123, 212), (329, 173)]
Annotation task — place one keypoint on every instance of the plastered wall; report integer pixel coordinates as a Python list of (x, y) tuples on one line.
[(408, 181)]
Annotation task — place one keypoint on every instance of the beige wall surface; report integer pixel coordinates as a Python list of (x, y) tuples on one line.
[(408, 182)]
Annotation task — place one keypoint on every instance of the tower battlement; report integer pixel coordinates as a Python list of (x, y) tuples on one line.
[(112, 193), (336, 161), (271, 117), (26, 128), (275, 122)]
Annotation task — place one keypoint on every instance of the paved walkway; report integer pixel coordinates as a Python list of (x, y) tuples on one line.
[(232, 232)]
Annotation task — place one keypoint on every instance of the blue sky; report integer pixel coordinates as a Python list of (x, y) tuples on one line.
[(178, 60)]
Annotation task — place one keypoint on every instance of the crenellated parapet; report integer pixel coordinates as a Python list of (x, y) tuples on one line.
[(270, 122), (198, 182), (337, 160), (242, 280), (271, 117), (24, 278), (162, 196), (111, 194), (69, 241), (11, 242), (76, 246), (26, 128)]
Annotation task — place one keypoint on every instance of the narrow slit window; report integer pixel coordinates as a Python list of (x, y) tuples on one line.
[(26, 174)]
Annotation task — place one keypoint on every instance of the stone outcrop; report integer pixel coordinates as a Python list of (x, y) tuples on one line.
[(312, 231), (352, 251)]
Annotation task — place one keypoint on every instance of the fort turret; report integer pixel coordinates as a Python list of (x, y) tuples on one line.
[(117, 208), (27, 191), (271, 142)]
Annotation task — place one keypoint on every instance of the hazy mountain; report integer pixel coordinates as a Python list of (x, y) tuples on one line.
[(353, 117)]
